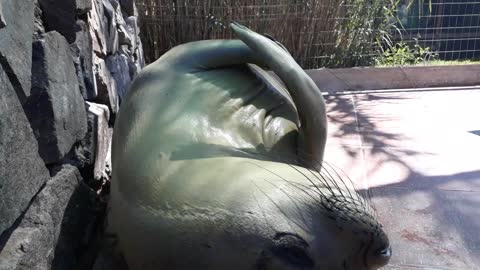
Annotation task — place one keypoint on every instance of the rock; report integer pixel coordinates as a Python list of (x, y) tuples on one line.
[(83, 59), (128, 6), (52, 232), (125, 50), (124, 36), (133, 31), (59, 15), (16, 42), (133, 69), (3, 23), (107, 88), (120, 70), (22, 170), (112, 35), (38, 27), (98, 28), (139, 55), (83, 6), (56, 108), (100, 141)]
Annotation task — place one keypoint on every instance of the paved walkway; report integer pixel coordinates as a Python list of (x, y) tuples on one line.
[(418, 154)]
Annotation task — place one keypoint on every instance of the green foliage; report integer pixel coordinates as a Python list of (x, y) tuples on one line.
[(401, 54), (366, 23), (318, 33)]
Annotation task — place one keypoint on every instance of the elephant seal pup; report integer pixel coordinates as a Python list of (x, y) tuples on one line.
[(202, 177)]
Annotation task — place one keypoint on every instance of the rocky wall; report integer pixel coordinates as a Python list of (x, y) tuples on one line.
[(64, 67)]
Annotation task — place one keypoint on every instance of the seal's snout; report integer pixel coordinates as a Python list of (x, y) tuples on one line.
[(380, 258)]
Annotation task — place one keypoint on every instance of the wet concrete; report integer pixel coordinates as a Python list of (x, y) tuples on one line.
[(418, 155)]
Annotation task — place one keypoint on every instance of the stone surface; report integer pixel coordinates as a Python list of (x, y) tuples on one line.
[(60, 16), (128, 6), (120, 70), (107, 89), (83, 59), (55, 108), (52, 232), (112, 34), (38, 26), (16, 40), (124, 36), (98, 27), (100, 141), (134, 68), (83, 6), (46, 224), (140, 56), (3, 23), (132, 27), (22, 170)]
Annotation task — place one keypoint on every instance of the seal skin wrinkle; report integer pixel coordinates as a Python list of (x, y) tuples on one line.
[(217, 164)]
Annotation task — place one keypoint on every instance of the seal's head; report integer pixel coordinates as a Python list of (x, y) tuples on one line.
[(343, 231)]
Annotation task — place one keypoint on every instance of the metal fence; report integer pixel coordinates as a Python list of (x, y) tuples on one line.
[(319, 33), (449, 27)]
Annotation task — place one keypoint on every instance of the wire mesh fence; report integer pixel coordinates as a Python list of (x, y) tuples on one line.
[(324, 33), (450, 28)]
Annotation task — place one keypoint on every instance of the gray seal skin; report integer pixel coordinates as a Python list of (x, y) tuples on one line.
[(203, 175)]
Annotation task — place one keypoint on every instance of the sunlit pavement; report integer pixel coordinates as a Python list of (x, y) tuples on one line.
[(418, 155)]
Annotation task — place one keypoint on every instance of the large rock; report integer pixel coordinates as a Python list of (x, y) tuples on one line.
[(56, 108), (98, 27), (83, 59), (3, 23), (52, 232), (16, 42), (83, 6), (139, 55), (38, 26), (128, 6), (132, 28), (112, 34), (106, 85), (22, 171), (120, 70), (99, 140), (59, 15)]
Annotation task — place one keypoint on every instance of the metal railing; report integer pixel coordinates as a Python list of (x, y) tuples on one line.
[(319, 33)]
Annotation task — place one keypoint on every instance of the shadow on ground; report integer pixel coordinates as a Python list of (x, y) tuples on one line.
[(420, 169)]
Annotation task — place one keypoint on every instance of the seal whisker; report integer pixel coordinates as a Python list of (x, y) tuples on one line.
[(291, 199), (285, 180), (289, 220)]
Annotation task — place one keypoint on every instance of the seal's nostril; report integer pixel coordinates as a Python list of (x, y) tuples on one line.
[(387, 252)]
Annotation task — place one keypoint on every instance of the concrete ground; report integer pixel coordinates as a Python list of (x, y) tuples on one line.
[(418, 155)]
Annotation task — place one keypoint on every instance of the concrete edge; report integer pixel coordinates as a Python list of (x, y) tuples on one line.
[(370, 78)]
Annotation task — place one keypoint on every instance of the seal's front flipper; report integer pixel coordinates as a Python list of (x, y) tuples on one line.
[(305, 93)]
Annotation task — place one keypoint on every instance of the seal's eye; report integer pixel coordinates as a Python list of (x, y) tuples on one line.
[(292, 249), (294, 256)]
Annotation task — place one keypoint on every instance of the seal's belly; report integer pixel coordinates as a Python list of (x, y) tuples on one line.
[(196, 109)]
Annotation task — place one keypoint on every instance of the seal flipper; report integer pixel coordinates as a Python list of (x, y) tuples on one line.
[(305, 93), (210, 54)]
